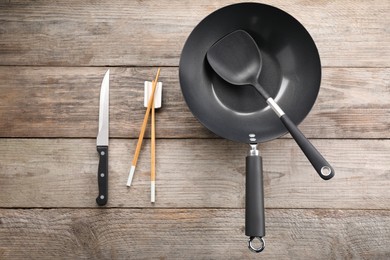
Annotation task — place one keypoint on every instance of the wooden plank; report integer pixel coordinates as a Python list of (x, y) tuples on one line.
[(152, 33), (192, 173), (348, 101), (191, 234), (63, 102), (52, 59)]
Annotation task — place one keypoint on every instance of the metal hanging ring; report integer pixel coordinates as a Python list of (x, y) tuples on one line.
[(256, 249)]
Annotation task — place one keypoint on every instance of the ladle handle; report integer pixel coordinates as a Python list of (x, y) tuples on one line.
[(319, 163), (254, 200)]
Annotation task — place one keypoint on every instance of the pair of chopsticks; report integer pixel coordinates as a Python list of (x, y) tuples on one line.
[(153, 142)]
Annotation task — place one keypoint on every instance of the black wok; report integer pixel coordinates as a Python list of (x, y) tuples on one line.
[(291, 74)]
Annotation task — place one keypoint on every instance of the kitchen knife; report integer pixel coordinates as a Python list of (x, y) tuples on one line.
[(102, 141)]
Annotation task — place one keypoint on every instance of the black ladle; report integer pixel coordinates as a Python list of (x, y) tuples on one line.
[(237, 59)]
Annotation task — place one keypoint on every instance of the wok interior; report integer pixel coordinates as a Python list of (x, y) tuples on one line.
[(291, 73)]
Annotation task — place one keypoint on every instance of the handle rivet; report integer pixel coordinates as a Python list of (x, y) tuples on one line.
[(102, 197), (102, 153), (102, 175)]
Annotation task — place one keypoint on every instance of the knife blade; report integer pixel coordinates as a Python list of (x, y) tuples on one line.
[(102, 141)]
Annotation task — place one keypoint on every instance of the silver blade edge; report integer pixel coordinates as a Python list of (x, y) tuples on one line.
[(102, 137)]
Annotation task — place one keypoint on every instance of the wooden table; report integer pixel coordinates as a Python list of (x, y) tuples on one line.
[(53, 55)]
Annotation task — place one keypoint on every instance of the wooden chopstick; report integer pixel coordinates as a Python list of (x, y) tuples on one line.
[(141, 135), (153, 157)]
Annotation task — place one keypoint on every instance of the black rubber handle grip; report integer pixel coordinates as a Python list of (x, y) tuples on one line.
[(319, 163), (102, 175), (254, 200)]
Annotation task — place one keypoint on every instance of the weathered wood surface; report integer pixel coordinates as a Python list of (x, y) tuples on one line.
[(53, 55), (152, 33), (190, 234), (193, 173), (63, 102)]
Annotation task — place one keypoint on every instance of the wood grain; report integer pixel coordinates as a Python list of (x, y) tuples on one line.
[(192, 173), (63, 102), (53, 55), (152, 33), (190, 234)]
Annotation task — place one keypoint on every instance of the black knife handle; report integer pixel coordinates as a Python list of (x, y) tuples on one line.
[(102, 175)]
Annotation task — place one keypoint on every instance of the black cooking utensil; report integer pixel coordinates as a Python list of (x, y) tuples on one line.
[(291, 74), (237, 59)]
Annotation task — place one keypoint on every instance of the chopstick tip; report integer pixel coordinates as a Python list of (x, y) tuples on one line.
[(152, 191), (131, 175)]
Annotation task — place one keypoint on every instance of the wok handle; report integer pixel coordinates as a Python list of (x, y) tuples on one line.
[(319, 163), (254, 201)]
